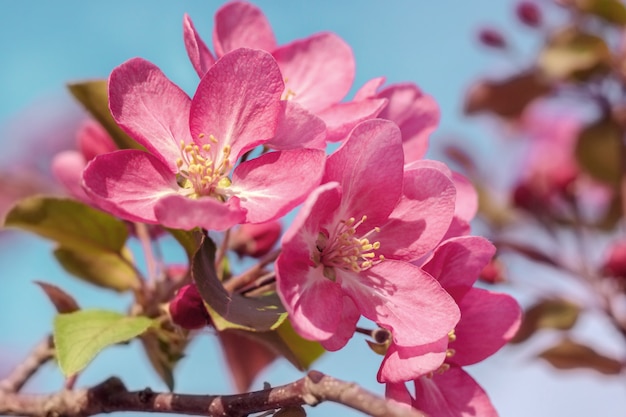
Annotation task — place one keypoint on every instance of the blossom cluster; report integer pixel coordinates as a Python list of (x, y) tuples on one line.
[(381, 233)]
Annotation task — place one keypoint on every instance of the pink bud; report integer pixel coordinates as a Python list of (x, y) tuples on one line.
[(187, 309), (493, 272), (492, 38), (615, 261), (94, 140), (528, 13), (255, 239)]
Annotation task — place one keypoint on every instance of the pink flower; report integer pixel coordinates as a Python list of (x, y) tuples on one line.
[(488, 321), (318, 71), (255, 240), (185, 179), (345, 253), (416, 113)]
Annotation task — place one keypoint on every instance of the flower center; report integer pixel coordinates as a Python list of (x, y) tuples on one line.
[(200, 175), (344, 248), (288, 93)]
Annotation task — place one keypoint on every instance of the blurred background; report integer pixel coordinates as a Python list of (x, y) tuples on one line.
[(44, 45)]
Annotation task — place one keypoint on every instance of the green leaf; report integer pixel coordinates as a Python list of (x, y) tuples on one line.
[(72, 224), (107, 270), (611, 11), (80, 336), (574, 55), (547, 314), (571, 355), (164, 348), (94, 97), (598, 151), (305, 351), (232, 311)]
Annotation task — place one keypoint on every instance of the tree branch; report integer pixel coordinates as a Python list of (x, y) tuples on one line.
[(111, 396), (41, 354)]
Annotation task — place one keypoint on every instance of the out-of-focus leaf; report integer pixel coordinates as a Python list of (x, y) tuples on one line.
[(70, 223), (164, 348), (598, 151), (189, 240), (63, 302), (232, 311), (94, 97), (507, 98), (245, 356), (547, 314), (104, 269), (81, 335), (612, 215), (574, 55), (571, 355), (612, 11)]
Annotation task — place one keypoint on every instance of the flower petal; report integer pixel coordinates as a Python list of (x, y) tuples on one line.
[(298, 128), (274, 183), (453, 393), (201, 58), (422, 216), (369, 168), (241, 25), (488, 321), (457, 263), (67, 167), (238, 102), (318, 70), (341, 118), (180, 212), (128, 183), (150, 108), (347, 324), (403, 299), (407, 363)]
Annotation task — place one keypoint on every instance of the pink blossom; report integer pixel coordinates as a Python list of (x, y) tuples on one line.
[(344, 255), (186, 179), (318, 71)]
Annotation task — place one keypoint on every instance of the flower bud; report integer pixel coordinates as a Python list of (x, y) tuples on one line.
[(187, 309), (493, 272), (615, 261), (492, 38), (528, 13), (255, 239)]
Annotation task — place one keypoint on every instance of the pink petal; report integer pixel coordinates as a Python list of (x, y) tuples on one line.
[(150, 108), (416, 113), (369, 168), (457, 263), (199, 55), (180, 212), (452, 394), (129, 183), (241, 25), (298, 128), (94, 140), (347, 325), (488, 321), (318, 70), (369, 89), (274, 183), (238, 102), (341, 118), (398, 392), (422, 216), (403, 299), (67, 167), (407, 363), (466, 197)]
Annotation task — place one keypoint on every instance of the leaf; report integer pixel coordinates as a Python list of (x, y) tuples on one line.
[(598, 151), (164, 349), (72, 224), (232, 311), (612, 11), (547, 314), (571, 355), (189, 240), (63, 302), (574, 55), (94, 97), (107, 270), (80, 336), (507, 98)]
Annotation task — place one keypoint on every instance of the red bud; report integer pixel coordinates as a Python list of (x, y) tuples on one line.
[(492, 38), (528, 13), (187, 309)]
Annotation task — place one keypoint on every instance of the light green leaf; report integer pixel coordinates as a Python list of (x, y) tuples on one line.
[(80, 336), (94, 97), (305, 351), (72, 224)]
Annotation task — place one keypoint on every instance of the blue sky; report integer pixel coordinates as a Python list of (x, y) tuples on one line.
[(44, 45)]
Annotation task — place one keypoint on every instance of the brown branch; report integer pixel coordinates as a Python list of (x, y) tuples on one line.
[(111, 396), (41, 354)]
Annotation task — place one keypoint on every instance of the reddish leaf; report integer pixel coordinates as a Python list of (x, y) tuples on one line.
[(63, 302), (598, 150), (571, 355), (547, 314)]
